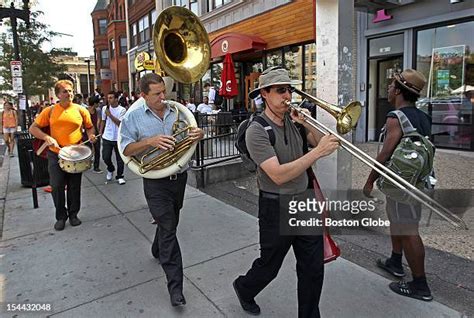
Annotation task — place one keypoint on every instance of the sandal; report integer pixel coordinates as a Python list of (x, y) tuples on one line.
[(408, 290), (388, 266)]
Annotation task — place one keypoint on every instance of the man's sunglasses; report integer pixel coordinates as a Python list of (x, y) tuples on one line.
[(283, 90)]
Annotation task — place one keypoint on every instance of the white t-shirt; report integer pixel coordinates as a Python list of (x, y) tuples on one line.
[(191, 107), (204, 108), (111, 129), (212, 95)]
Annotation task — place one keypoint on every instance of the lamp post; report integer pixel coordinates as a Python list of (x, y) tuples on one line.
[(88, 61), (14, 14)]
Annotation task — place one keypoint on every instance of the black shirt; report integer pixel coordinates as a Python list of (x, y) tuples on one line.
[(419, 119)]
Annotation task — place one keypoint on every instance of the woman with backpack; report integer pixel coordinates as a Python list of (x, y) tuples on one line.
[(403, 93)]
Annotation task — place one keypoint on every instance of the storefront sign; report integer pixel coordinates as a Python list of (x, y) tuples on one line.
[(446, 72), (105, 74), (149, 65), (380, 16), (140, 59)]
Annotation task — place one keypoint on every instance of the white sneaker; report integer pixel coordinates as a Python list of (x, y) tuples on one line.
[(109, 175), (121, 181)]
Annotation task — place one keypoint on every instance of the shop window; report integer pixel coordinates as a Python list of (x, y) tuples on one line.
[(104, 58), (102, 26), (310, 69), (274, 58), (123, 45), (445, 56), (294, 65)]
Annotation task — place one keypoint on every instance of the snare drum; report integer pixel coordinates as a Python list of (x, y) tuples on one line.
[(75, 158)]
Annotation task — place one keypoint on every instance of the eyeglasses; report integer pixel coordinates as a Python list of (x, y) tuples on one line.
[(283, 90)]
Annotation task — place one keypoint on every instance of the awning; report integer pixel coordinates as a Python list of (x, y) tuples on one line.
[(235, 42)]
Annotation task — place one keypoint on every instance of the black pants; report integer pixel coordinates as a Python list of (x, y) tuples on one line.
[(273, 249), (107, 148), (96, 149), (58, 179), (165, 200)]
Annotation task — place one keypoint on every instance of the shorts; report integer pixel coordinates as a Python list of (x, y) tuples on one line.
[(399, 213), (9, 130)]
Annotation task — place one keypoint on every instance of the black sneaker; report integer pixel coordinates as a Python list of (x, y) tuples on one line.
[(389, 267), (249, 306), (409, 290), (74, 221), (60, 225)]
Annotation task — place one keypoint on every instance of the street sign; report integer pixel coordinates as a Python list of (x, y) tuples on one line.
[(17, 83), (16, 68)]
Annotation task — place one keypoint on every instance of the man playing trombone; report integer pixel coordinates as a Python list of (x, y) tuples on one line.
[(282, 172), (150, 125), (403, 92)]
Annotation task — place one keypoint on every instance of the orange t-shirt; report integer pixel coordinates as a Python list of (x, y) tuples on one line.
[(8, 118), (65, 124)]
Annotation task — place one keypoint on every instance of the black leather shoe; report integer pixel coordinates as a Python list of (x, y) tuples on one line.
[(178, 300), (249, 306), (74, 221), (59, 225)]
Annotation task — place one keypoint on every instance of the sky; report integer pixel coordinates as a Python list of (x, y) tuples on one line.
[(67, 16)]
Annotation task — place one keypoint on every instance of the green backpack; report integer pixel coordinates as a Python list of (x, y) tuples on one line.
[(412, 160)]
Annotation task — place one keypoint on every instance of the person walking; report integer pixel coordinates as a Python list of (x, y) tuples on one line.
[(403, 92), (9, 126), (112, 115)]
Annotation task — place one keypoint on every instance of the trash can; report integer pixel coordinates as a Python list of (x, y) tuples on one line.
[(24, 143)]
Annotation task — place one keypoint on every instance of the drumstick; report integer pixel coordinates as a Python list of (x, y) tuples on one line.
[(88, 140), (40, 149)]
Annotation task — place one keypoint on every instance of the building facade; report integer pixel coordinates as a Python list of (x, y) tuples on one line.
[(110, 45), (434, 37)]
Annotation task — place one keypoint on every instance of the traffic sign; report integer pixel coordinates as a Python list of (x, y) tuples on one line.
[(16, 68), (17, 83)]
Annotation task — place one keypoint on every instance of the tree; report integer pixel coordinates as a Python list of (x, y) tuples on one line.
[(39, 68)]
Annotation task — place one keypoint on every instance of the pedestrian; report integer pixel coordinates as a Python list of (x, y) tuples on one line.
[(190, 105), (65, 120), (95, 112), (205, 107), (281, 174), (403, 92), (210, 92), (150, 125), (9, 126), (112, 115)]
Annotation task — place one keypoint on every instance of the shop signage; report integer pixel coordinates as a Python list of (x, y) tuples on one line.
[(446, 72), (105, 74), (140, 59), (149, 65), (380, 16)]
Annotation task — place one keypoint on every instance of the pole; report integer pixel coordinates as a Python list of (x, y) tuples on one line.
[(88, 76)]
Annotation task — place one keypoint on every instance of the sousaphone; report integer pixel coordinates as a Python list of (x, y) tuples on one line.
[(183, 52)]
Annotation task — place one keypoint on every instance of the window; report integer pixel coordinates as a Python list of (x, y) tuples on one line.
[(178, 3), (143, 29), (134, 37), (112, 48), (214, 4), (154, 16), (104, 58), (194, 7), (310, 69), (294, 65), (123, 45), (274, 58), (102, 26)]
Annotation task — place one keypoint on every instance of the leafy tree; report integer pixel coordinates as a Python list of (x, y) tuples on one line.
[(39, 68)]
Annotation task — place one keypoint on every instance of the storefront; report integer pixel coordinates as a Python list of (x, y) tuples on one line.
[(435, 38)]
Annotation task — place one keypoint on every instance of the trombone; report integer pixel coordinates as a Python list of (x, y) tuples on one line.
[(346, 120)]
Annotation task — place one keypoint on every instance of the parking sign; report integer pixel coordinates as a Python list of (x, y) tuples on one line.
[(15, 68)]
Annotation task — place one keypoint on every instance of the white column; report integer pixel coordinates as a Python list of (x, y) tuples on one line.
[(334, 36)]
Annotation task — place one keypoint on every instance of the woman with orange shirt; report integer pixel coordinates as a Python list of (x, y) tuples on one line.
[(65, 120), (9, 124)]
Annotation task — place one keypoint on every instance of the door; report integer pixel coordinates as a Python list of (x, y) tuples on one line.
[(386, 68), (251, 82)]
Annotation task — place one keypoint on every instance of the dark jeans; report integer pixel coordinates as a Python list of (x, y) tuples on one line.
[(58, 179), (107, 148), (165, 200), (273, 249), (96, 149)]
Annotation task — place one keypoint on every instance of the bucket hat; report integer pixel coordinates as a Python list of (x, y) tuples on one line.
[(412, 80), (275, 75)]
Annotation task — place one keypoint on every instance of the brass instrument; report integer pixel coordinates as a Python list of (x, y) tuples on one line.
[(183, 52), (346, 120)]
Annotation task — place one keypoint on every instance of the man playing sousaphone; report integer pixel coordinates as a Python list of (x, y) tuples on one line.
[(65, 121), (146, 126)]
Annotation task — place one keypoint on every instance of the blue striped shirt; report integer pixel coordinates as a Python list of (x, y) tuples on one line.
[(141, 122)]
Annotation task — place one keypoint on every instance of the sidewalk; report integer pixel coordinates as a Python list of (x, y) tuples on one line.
[(104, 267)]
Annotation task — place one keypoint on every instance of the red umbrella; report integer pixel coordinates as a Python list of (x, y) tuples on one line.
[(229, 84)]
